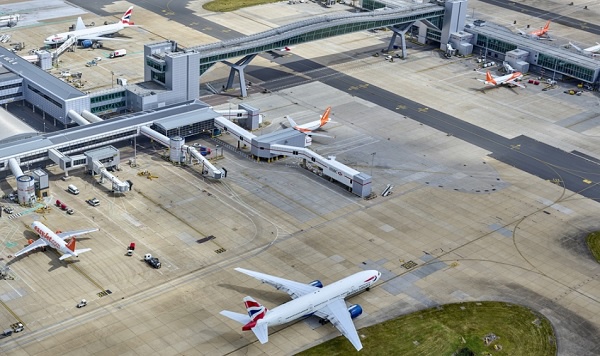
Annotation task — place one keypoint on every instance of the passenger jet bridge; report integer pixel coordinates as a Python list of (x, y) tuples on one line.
[(162, 57)]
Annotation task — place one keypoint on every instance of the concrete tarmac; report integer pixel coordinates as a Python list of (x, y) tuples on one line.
[(474, 226)]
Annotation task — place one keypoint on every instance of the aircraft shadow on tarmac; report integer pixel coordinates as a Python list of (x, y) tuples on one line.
[(485, 89), (51, 254)]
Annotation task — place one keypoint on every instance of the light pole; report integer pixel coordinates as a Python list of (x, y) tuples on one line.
[(112, 80), (372, 159)]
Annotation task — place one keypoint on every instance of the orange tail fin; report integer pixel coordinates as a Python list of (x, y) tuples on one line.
[(325, 117), (71, 244), (547, 26), (489, 78)]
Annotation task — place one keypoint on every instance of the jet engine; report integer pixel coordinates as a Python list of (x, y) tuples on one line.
[(355, 310), (316, 283)]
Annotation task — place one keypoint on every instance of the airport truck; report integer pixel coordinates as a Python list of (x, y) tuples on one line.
[(152, 261), (118, 53)]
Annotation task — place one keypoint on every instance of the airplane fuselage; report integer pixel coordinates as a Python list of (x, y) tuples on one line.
[(50, 237), (88, 32), (505, 79), (312, 302)]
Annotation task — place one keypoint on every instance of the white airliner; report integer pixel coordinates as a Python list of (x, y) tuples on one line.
[(325, 302), (56, 241), (93, 33), (311, 126), (593, 51), (509, 79), (541, 34)]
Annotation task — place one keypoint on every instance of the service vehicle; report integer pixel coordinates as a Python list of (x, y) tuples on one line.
[(118, 53), (152, 261), (82, 304), (93, 202), (72, 189)]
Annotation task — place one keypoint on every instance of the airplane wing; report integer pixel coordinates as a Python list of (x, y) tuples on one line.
[(69, 234), (294, 289), (312, 133), (514, 82), (337, 313), (37, 243)]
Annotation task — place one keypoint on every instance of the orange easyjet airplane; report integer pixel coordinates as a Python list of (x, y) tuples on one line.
[(311, 126), (542, 31), (505, 79)]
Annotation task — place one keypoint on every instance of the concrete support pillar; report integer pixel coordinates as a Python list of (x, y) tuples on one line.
[(402, 32), (239, 67)]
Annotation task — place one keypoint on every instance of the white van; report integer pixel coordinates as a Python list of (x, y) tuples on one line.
[(73, 189)]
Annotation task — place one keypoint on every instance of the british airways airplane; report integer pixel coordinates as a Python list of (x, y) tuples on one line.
[(93, 33), (56, 241), (307, 299)]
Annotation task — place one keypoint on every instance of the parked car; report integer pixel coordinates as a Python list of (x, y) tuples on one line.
[(93, 202)]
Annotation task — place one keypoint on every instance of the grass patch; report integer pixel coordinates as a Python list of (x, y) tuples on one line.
[(593, 242), (451, 328), (232, 5)]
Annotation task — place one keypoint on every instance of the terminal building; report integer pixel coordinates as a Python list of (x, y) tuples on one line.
[(538, 56), (165, 106)]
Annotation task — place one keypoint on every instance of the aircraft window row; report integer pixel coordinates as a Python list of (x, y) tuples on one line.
[(9, 86), (106, 97), (40, 93)]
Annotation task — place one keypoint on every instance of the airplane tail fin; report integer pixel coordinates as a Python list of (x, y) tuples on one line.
[(252, 321), (71, 244), (489, 79), (325, 118), (547, 26), (256, 311), (574, 46), (79, 25), (126, 19), (291, 121), (74, 252)]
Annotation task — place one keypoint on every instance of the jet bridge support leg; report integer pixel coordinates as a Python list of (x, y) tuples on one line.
[(239, 67), (402, 33)]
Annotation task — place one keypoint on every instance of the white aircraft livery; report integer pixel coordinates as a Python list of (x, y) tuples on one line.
[(93, 33), (326, 303), (56, 241), (310, 127)]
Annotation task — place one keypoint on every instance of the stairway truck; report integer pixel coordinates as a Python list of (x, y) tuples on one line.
[(118, 53)]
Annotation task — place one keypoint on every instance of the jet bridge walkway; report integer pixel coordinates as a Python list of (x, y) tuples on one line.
[(296, 33)]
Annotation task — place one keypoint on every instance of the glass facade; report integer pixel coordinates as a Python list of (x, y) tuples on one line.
[(187, 130), (109, 102), (107, 97), (494, 44), (319, 34), (566, 67)]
